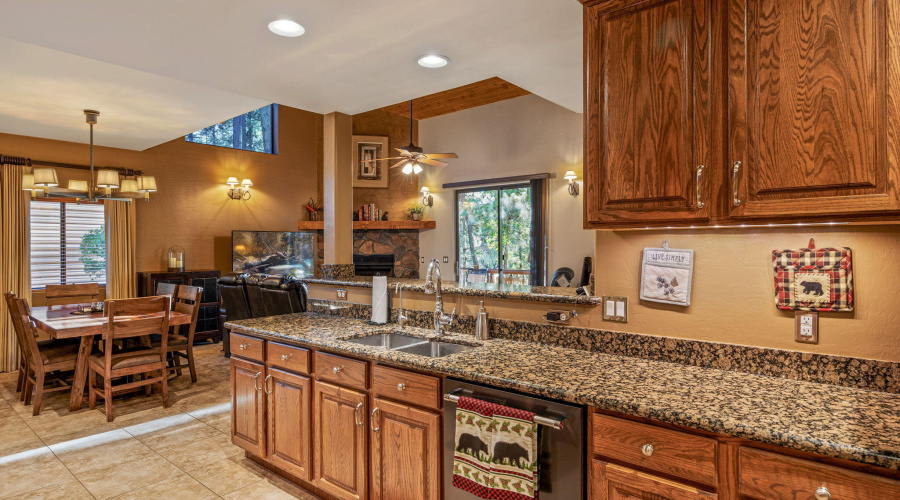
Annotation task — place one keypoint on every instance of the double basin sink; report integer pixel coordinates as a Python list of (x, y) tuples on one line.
[(401, 342)]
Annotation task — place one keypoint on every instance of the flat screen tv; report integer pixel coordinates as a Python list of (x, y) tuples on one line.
[(273, 252)]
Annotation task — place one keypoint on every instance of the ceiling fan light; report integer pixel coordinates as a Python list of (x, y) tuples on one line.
[(417, 169), (433, 61), (408, 168)]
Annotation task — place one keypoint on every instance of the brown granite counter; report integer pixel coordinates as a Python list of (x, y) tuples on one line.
[(830, 420), (558, 295)]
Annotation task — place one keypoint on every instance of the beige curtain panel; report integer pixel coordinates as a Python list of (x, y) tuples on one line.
[(121, 273), (15, 261)]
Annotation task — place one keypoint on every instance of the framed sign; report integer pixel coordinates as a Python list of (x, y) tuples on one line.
[(370, 174)]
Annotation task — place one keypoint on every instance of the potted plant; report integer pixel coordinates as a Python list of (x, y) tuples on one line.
[(416, 211)]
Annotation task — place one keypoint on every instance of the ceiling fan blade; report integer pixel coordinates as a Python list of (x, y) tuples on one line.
[(438, 156), (398, 164), (380, 159), (433, 162), (402, 151)]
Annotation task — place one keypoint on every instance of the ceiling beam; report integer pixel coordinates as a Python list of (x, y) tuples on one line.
[(450, 101)]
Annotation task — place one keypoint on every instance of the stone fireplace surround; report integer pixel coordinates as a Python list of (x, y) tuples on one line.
[(402, 244)]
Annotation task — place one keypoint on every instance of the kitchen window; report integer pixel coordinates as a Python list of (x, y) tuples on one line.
[(68, 243), (252, 131)]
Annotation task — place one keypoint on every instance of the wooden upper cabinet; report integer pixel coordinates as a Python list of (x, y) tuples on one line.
[(406, 452), (289, 422), (248, 406), (339, 445), (812, 113), (647, 66)]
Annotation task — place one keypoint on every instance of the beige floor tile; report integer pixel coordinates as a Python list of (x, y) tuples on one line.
[(30, 470), (127, 476), (17, 436), (67, 490), (227, 475), (58, 427), (269, 490), (191, 456), (100, 451), (173, 431), (180, 487)]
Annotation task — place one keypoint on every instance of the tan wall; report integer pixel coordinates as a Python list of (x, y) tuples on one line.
[(191, 208), (402, 188)]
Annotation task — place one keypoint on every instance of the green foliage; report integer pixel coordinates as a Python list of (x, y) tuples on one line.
[(251, 131), (93, 252), (481, 233), (416, 209)]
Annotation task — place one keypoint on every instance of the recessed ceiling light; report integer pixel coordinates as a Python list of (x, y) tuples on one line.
[(286, 27), (433, 61)]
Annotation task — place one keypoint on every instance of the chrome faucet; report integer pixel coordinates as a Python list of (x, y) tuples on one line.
[(401, 316), (433, 285)]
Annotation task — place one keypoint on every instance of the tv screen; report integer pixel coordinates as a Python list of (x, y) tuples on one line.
[(273, 252)]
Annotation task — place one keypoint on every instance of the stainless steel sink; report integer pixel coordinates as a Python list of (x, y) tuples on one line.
[(388, 340), (434, 349)]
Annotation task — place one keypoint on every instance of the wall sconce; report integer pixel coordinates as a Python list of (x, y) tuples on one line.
[(427, 199), (239, 193), (573, 186)]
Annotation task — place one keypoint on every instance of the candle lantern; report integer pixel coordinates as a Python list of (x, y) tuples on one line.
[(175, 259)]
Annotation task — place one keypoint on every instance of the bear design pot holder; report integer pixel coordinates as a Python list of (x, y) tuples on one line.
[(813, 279)]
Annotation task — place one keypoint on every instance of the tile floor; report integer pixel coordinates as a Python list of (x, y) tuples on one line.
[(147, 452)]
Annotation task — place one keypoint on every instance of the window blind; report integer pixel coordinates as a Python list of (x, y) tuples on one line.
[(68, 244)]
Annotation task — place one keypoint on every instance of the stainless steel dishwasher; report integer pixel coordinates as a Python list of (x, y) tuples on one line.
[(560, 439)]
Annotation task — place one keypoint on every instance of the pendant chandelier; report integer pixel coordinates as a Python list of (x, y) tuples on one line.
[(109, 184)]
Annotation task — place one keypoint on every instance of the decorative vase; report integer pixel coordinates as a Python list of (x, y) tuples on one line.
[(314, 216)]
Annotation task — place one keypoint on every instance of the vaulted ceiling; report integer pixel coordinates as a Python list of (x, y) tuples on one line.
[(168, 67)]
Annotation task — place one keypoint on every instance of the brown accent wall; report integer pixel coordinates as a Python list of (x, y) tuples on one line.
[(402, 189), (191, 208)]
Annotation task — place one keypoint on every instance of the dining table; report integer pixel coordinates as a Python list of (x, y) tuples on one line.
[(67, 322)]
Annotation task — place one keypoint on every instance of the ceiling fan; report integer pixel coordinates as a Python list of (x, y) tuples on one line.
[(411, 156)]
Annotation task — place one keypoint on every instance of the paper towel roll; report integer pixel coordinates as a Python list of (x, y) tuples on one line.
[(380, 302)]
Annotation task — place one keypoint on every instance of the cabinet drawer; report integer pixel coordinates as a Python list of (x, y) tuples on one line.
[(344, 371), (663, 450), (765, 475), (295, 359), (401, 385), (247, 347)]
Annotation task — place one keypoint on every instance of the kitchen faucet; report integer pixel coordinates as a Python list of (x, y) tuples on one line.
[(433, 285), (401, 316)]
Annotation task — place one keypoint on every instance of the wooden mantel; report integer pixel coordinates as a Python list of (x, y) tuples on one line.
[(420, 225)]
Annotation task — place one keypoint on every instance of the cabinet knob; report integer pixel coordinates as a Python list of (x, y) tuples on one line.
[(242, 347), (335, 370), (647, 449), (285, 357), (822, 493), (401, 386)]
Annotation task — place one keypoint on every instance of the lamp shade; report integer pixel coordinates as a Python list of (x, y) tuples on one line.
[(417, 169), (45, 177), (408, 168), (246, 183), (231, 181), (78, 185), (424, 190), (146, 183), (107, 179), (129, 186), (28, 182), (570, 175)]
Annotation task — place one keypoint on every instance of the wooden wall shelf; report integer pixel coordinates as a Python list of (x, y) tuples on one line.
[(421, 225)]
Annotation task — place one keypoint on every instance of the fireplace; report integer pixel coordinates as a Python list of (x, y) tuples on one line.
[(374, 264)]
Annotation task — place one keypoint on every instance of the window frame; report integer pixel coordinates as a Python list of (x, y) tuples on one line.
[(62, 202)]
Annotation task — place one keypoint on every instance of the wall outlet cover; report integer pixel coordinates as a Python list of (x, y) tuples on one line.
[(341, 294), (806, 327)]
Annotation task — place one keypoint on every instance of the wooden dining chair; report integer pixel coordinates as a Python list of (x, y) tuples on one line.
[(181, 343), (72, 294), (46, 367), (163, 288), (128, 318)]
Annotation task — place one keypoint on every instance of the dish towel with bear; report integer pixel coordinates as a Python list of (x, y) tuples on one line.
[(496, 451), (814, 279)]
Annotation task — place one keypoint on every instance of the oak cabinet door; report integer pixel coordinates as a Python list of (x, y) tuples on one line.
[(289, 412), (647, 112), (339, 446), (248, 406), (813, 121), (614, 482), (406, 452)]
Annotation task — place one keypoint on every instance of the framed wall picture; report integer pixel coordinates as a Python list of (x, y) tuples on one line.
[(370, 174)]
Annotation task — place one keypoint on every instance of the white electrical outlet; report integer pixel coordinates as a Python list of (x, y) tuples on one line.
[(806, 327), (341, 294)]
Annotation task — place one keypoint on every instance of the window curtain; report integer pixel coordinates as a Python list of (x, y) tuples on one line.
[(15, 259), (121, 273), (538, 232)]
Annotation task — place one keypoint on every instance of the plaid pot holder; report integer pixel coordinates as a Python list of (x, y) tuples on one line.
[(813, 279)]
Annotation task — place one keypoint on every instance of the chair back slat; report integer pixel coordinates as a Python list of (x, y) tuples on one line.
[(26, 334), (71, 294), (187, 301), (125, 320)]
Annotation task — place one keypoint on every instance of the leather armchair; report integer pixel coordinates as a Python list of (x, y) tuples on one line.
[(254, 295), (283, 295), (234, 304)]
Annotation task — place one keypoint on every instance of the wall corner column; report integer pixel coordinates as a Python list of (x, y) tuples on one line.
[(337, 184)]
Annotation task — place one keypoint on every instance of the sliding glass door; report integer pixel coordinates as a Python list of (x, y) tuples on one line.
[(497, 235)]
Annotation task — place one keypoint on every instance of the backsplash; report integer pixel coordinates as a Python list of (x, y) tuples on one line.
[(883, 376)]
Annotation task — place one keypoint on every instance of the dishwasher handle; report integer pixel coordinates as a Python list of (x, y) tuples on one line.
[(554, 422)]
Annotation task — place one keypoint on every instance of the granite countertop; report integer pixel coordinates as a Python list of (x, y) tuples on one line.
[(555, 294), (830, 420)]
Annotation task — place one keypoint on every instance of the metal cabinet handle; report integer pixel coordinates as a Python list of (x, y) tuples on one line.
[(401, 386), (356, 415), (256, 381), (700, 203), (242, 347), (375, 428), (735, 178), (266, 384), (822, 493), (647, 449), (285, 357), (335, 370)]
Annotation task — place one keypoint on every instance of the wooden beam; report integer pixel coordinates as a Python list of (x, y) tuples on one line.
[(450, 101)]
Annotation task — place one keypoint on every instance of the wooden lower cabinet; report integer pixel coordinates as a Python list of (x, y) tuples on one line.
[(248, 406), (406, 452), (614, 482), (339, 443), (289, 399)]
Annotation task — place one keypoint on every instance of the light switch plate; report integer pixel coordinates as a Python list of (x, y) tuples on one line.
[(341, 294), (446, 259), (615, 308), (806, 327)]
